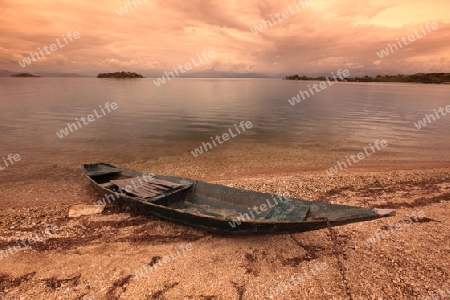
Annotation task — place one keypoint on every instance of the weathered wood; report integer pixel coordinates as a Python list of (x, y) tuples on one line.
[(145, 189), (166, 183), (224, 209)]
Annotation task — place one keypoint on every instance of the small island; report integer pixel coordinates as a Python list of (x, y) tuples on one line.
[(24, 75), (416, 78), (120, 75)]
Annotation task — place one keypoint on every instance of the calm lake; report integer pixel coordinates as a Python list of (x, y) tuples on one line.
[(174, 119)]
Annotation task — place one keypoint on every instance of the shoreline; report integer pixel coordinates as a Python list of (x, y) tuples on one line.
[(96, 256), (69, 186)]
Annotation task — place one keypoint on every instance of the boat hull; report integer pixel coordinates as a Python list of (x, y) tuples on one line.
[(218, 198)]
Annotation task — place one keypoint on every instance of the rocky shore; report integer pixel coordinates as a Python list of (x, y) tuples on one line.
[(98, 256)]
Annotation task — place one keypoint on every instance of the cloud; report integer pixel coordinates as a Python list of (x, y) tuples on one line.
[(160, 34)]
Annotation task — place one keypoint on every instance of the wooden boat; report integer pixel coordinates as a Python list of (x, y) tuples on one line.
[(219, 208)]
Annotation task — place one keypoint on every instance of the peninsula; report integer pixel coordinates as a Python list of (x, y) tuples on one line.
[(24, 75), (416, 78), (120, 75)]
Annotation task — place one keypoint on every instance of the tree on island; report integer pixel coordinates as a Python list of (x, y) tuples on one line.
[(296, 77), (24, 75), (120, 75)]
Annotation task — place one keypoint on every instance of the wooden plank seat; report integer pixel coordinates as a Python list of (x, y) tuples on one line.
[(146, 189)]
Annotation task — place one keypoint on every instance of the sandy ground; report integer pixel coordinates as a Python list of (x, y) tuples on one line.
[(96, 257)]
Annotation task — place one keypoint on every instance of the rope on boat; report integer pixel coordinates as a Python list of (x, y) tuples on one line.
[(340, 264)]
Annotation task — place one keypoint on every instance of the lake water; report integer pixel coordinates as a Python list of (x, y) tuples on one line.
[(177, 117)]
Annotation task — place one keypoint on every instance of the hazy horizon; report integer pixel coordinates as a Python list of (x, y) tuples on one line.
[(315, 37), (201, 74)]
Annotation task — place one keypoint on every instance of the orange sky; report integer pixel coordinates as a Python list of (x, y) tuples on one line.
[(159, 34)]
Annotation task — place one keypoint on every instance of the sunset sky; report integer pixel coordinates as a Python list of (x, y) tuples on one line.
[(158, 34)]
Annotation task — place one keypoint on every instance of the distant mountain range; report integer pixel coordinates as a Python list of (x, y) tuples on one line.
[(209, 74), (199, 74), (7, 73), (56, 74), (204, 74), (153, 73)]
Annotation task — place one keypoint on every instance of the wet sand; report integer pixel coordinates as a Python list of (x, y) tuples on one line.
[(95, 257)]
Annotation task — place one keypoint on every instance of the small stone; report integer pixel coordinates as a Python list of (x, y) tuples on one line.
[(85, 210)]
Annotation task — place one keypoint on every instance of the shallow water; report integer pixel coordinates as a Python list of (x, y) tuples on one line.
[(177, 117)]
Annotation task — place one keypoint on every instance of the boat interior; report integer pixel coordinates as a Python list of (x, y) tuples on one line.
[(196, 197)]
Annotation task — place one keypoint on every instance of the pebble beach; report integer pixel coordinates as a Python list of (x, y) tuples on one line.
[(124, 254)]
